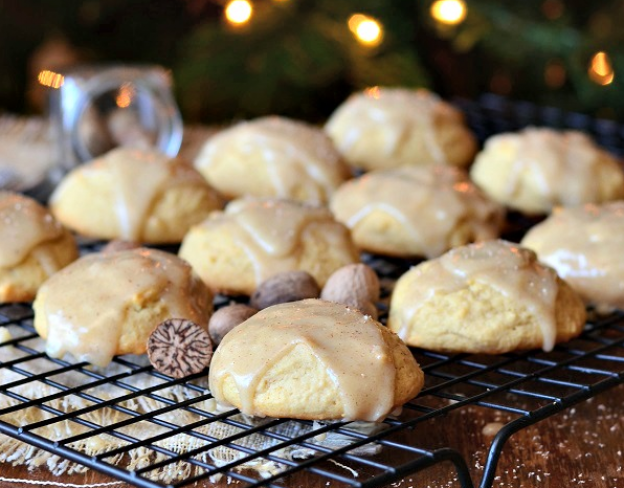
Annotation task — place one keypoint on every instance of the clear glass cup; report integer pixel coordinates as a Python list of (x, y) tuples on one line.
[(97, 108)]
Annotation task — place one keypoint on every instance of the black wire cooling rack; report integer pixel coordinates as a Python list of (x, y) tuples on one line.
[(175, 427), (526, 387)]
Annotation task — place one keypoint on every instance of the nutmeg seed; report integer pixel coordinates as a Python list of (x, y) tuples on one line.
[(179, 347), (367, 308), (285, 287), (119, 245), (353, 285), (226, 318)]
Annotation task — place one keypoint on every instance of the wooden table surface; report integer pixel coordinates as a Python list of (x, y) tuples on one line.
[(582, 446)]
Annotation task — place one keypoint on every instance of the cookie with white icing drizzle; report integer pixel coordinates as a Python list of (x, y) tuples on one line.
[(273, 157), (314, 359), (253, 239), (105, 304), (134, 195), (492, 297), (33, 246), (384, 127), (584, 244), (537, 169), (416, 211)]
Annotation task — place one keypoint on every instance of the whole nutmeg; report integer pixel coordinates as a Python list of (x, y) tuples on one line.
[(355, 285), (367, 308), (179, 347), (226, 318), (351, 283), (289, 286), (117, 245)]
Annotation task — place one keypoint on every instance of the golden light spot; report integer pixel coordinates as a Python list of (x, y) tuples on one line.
[(600, 69), (50, 78), (373, 92), (238, 12), (367, 30), (125, 95), (449, 12)]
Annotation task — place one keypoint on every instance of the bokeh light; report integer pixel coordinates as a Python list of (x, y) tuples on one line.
[(238, 12), (449, 12), (600, 69)]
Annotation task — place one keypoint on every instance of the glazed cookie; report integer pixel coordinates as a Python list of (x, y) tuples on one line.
[(314, 359), (383, 128), (133, 194), (273, 157), (253, 239), (33, 247), (105, 304), (536, 169), (490, 298), (415, 211), (584, 244)]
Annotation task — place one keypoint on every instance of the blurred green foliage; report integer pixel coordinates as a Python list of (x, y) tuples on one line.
[(298, 58)]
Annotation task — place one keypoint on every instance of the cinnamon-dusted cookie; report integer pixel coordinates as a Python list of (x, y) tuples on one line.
[(105, 304), (314, 359), (33, 246), (253, 239), (273, 157), (492, 297), (416, 211), (537, 169), (136, 195), (383, 128), (585, 244)]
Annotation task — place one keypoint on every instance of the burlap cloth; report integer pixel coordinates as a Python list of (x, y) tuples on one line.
[(18, 453), (27, 153)]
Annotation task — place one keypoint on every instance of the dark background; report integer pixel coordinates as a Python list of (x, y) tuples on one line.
[(298, 58)]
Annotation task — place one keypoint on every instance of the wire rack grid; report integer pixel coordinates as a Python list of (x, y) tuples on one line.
[(175, 425)]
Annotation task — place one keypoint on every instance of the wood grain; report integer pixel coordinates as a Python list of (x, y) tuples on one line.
[(582, 446)]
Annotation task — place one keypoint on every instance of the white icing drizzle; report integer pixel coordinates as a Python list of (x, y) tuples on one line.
[(394, 113), (348, 344), (270, 231), (295, 156), (510, 269), (428, 201), (584, 245), (139, 177), (563, 165), (87, 303), (25, 224)]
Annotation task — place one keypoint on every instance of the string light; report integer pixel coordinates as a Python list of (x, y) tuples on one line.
[(367, 30), (448, 12), (50, 78), (238, 12), (600, 69), (125, 95)]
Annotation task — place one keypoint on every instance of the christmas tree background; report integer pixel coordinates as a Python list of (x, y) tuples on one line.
[(301, 58)]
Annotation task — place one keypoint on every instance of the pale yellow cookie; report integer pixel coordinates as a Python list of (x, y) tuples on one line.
[(536, 169), (491, 298), (314, 359), (416, 211), (133, 194), (273, 157), (585, 245), (383, 128), (253, 239), (105, 304), (33, 246)]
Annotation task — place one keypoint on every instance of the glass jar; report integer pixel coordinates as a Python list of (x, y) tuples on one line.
[(97, 108)]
